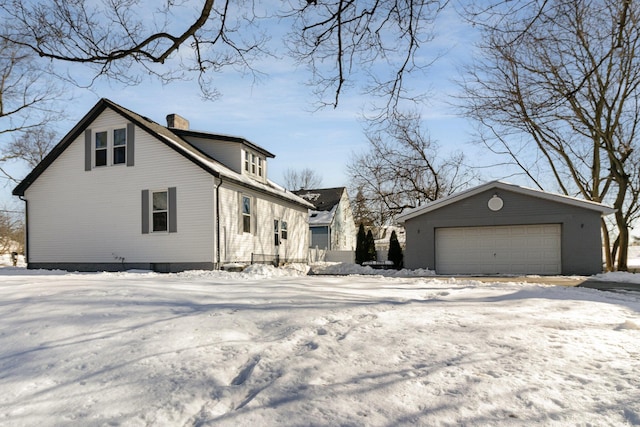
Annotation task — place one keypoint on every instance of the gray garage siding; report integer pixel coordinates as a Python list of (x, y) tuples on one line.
[(581, 237)]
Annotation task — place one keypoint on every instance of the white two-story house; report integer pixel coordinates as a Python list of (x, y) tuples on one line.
[(121, 191)]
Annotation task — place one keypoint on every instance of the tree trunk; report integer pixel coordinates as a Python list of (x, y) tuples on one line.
[(607, 245), (623, 242)]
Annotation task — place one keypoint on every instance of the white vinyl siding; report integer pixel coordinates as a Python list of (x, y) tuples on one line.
[(233, 155), (90, 221), (343, 228), (522, 249), (227, 153), (237, 246)]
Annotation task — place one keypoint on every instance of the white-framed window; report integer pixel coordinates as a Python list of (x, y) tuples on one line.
[(110, 147), (246, 214), (283, 230), (119, 146), (254, 164), (159, 211), (101, 148)]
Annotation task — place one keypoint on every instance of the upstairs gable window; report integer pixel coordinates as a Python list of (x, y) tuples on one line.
[(101, 148), (109, 147), (119, 146)]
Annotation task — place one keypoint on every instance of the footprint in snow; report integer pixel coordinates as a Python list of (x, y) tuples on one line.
[(245, 372)]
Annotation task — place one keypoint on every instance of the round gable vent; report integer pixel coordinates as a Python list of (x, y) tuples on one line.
[(495, 203)]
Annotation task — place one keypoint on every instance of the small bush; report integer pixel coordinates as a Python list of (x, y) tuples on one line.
[(395, 251)]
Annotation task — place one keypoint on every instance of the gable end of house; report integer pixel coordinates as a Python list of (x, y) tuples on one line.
[(160, 132)]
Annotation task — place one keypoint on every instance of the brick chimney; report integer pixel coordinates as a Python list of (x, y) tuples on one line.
[(177, 122)]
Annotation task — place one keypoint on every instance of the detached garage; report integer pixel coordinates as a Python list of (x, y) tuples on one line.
[(501, 228)]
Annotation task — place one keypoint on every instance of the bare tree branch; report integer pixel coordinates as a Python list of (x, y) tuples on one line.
[(340, 41), (114, 36), (403, 168), (568, 83), (377, 38), (28, 93), (303, 179)]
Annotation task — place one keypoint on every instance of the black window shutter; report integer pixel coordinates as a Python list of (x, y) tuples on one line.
[(87, 150), (173, 207), (131, 143), (145, 211)]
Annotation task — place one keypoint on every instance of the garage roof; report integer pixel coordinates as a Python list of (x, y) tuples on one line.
[(501, 185)]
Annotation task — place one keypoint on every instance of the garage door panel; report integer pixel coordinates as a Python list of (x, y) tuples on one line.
[(523, 249)]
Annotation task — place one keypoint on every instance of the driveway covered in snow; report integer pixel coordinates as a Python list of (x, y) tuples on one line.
[(272, 347)]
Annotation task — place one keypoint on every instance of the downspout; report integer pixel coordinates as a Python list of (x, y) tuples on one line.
[(218, 223), (26, 229)]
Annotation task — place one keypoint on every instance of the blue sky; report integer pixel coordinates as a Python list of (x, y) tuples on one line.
[(277, 112)]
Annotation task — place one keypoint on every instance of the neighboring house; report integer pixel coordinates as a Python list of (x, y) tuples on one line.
[(500, 228), (382, 243), (331, 219), (121, 191)]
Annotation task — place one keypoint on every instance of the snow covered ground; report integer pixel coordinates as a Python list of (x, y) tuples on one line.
[(276, 347)]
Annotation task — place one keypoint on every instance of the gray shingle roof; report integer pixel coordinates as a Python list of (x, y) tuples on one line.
[(165, 135), (322, 199)]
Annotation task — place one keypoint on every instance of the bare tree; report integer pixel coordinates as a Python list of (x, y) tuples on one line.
[(28, 94), (28, 104), (128, 39), (362, 213), (33, 145), (303, 179), (403, 168), (557, 93), (29, 98), (12, 231)]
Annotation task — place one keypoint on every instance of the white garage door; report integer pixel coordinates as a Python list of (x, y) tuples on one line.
[(521, 249)]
